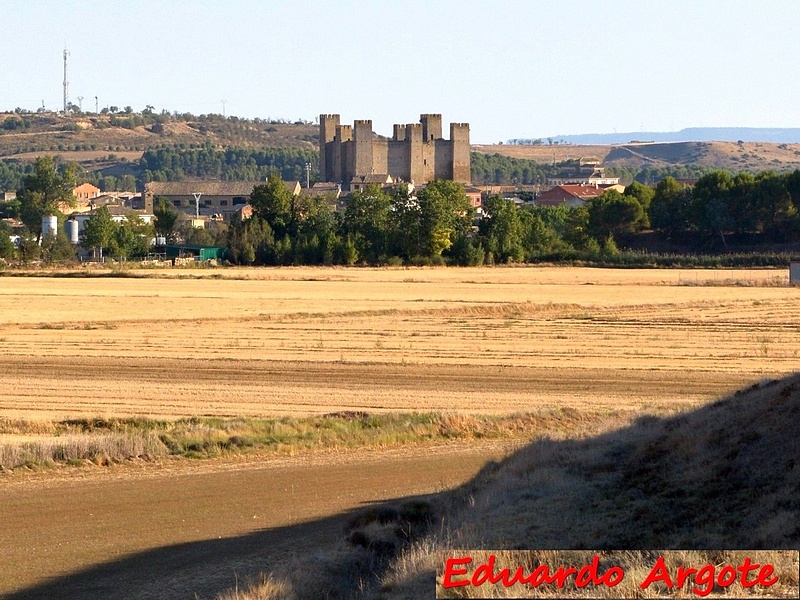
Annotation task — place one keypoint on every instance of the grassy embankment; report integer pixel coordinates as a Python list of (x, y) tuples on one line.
[(77, 442), (722, 476)]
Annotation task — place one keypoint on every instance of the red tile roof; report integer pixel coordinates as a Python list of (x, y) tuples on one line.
[(564, 193)]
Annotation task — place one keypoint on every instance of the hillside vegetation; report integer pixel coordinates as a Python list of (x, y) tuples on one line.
[(87, 137), (102, 141)]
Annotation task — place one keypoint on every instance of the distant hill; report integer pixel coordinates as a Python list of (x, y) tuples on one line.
[(86, 138), (691, 134), (744, 156), (113, 144)]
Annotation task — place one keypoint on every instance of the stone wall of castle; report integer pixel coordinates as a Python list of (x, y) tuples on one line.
[(416, 152)]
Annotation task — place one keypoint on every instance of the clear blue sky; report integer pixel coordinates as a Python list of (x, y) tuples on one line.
[(511, 69)]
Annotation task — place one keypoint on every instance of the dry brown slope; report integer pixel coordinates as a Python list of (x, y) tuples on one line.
[(726, 475), (751, 156), (722, 476), (52, 133)]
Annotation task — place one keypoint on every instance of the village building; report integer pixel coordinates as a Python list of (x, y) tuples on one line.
[(85, 192), (119, 214), (583, 171), (475, 196), (362, 182), (324, 189), (206, 198), (574, 195)]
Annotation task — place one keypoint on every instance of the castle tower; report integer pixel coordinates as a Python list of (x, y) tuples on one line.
[(416, 152), (414, 143), (362, 138), (459, 138), (431, 127), (339, 162), (327, 135)]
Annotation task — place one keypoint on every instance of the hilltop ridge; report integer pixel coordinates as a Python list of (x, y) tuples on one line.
[(735, 156), (105, 140), (786, 135)]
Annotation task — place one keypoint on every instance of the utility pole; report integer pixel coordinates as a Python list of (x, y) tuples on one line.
[(197, 203), (308, 175), (66, 82), (223, 108), (96, 106), (80, 103)]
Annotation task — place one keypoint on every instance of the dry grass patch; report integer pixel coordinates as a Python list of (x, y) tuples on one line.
[(33, 444)]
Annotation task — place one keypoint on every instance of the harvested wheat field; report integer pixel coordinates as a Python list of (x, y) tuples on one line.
[(302, 342), (308, 341)]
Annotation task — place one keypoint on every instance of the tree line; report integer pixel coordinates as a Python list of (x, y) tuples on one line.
[(377, 227), (176, 162), (719, 214), (439, 226), (765, 206)]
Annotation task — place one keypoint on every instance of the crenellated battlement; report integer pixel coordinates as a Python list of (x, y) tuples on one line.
[(416, 152)]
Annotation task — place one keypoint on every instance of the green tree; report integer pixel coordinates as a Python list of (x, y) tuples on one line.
[(644, 195), (7, 248), (165, 218), (57, 249), (741, 203), (100, 230), (711, 210), (538, 236), (29, 248), (345, 252), (467, 251), (132, 237), (405, 225), (128, 183), (614, 214), (367, 221), (670, 209), (315, 225), (252, 241), (503, 230), (576, 231), (445, 213), (42, 192), (773, 204), (273, 202), (198, 236)]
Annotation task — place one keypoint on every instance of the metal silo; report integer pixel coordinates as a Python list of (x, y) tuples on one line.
[(71, 229), (49, 226)]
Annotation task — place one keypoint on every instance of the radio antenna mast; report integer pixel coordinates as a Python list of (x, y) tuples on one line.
[(66, 82)]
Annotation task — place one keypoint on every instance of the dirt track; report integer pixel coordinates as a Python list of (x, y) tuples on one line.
[(176, 530)]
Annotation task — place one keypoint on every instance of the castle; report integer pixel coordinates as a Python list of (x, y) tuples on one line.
[(416, 153)]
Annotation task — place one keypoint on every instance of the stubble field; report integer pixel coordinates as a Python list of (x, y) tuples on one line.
[(304, 341), (308, 341)]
